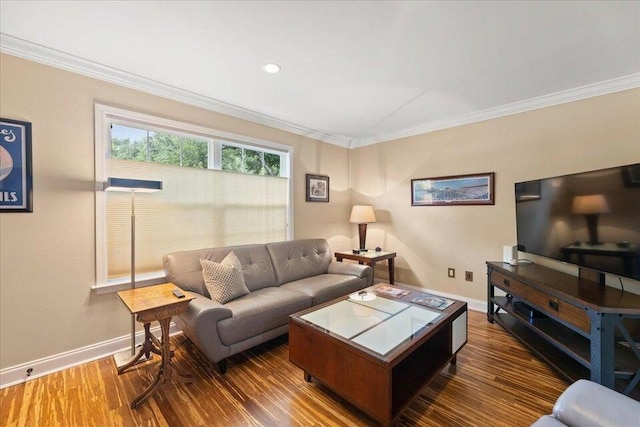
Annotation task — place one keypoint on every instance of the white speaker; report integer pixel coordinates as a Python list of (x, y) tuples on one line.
[(510, 254)]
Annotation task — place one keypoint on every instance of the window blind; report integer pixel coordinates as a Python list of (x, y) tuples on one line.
[(197, 208)]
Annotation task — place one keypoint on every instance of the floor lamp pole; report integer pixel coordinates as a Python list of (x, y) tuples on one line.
[(123, 359), (133, 267)]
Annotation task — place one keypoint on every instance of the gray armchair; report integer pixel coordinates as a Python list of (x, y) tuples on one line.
[(589, 404)]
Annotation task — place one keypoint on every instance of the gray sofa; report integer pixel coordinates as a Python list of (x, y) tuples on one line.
[(282, 277), (589, 404)]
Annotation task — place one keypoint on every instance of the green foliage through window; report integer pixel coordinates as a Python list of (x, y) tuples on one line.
[(142, 145), (244, 160), (129, 143)]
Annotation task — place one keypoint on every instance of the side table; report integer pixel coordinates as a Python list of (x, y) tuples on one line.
[(370, 258), (155, 303)]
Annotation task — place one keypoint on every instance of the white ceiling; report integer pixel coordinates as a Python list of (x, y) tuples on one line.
[(353, 73)]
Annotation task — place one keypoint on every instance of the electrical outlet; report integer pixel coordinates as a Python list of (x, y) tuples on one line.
[(468, 276), (451, 272)]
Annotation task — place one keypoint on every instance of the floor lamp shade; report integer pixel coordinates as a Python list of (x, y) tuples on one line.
[(135, 185), (132, 186), (362, 215)]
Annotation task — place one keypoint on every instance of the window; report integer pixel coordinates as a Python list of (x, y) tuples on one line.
[(146, 145), (219, 189)]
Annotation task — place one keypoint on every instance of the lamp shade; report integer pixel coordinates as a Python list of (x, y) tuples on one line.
[(137, 185), (362, 214), (591, 204)]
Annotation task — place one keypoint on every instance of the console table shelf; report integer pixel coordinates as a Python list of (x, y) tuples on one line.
[(555, 357), (571, 343), (580, 327)]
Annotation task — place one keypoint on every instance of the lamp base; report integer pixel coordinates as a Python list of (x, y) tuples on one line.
[(124, 358)]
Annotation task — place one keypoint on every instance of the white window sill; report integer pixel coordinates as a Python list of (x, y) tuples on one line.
[(122, 283)]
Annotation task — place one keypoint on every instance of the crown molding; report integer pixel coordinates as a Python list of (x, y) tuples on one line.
[(588, 91), (55, 58), (45, 55)]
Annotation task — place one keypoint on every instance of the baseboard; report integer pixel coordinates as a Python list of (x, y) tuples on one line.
[(18, 374)]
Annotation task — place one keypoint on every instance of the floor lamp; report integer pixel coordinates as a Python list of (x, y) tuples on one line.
[(132, 186)]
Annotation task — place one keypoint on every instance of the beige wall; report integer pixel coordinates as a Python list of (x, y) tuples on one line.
[(47, 263), (590, 134)]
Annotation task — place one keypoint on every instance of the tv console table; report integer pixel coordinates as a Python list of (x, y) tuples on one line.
[(580, 327)]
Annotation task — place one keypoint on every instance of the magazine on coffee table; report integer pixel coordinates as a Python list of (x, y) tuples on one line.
[(433, 301), (391, 291)]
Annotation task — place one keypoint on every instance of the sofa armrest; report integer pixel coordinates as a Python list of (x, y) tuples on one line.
[(586, 403), (351, 269), (200, 324), (203, 310)]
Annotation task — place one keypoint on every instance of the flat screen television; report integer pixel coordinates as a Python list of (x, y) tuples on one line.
[(591, 219)]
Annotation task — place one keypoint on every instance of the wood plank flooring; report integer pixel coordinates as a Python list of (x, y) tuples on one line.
[(496, 382)]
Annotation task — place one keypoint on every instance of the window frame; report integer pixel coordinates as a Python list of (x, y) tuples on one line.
[(105, 116)]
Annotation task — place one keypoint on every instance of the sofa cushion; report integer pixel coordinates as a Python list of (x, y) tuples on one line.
[(224, 280), (259, 312), (325, 287), (184, 269), (298, 259)]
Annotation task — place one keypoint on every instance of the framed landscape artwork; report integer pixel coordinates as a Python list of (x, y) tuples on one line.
[(317, 188), (15, 166), (475, 189)]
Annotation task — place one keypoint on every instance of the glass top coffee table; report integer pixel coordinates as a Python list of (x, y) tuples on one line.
[(376, 351)]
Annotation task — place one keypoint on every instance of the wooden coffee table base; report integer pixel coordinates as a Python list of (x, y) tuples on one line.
[(381, 386)]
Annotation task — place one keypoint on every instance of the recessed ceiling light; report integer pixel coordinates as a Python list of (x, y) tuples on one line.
[(271, 68)]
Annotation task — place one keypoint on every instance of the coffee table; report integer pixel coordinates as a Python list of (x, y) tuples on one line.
[(376, 354)]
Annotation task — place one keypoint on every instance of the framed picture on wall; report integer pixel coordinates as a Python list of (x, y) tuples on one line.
[(475, 189), (15, 166), (317, 188)]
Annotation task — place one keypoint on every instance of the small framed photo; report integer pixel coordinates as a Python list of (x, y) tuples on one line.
[(317, 188), (15, 166), (475, 189)]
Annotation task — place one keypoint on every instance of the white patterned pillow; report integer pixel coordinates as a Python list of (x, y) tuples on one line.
[(224, 280)]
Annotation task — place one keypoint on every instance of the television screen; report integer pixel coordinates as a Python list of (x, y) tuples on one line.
[(591, 219)]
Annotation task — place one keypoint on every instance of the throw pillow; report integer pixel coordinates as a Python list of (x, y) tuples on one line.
[(224, 280)]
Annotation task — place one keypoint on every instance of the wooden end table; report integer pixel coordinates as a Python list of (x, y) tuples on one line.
[(370, 258), (155, 303)]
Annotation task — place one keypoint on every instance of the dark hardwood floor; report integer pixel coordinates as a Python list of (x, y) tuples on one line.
[(496, 382)]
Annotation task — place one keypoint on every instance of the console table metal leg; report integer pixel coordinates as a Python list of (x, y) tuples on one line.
[(490, 295), (391, 270), (602, 348)]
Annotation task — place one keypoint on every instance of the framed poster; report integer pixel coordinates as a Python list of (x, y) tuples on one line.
[(317, 188), (15, 166), (476, 189)]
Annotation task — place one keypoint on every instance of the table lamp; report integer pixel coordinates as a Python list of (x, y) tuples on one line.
[(362, 215), (132, 186), (591, 206)]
